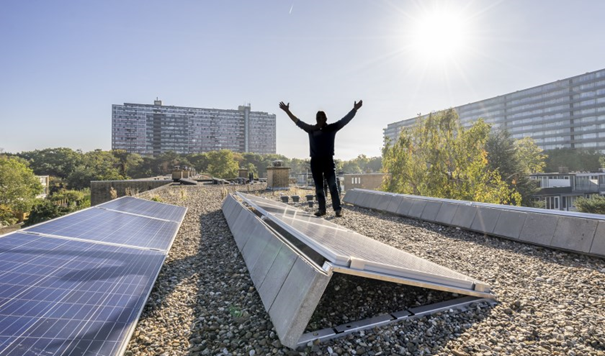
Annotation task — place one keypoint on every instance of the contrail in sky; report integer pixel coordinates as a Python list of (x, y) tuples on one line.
[(291, 7)]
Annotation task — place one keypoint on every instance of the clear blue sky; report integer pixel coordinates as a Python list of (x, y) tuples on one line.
[(64, 63)]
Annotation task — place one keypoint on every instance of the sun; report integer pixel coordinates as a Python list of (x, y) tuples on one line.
[(440, 34)]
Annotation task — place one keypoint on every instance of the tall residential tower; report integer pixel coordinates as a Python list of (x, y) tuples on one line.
[(568, 113), (155, 129)]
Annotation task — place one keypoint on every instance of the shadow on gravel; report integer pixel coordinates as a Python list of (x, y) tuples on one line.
[(228, 315), (545, 254)]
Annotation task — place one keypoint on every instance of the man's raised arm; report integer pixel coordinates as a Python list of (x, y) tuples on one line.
[(286, 108), (345, 120)]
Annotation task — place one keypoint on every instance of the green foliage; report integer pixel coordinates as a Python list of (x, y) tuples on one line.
[(156, 198), (594, 205), (222, 164), (127, 162), (45, 210), (18, 184), (576, 160), (57, 162), (58, 204), (515, 161), (351, 167), (602, 161), (199, 161), (438, 158), (7, 217), (530, 156), (362, 164), (300, 166), (72, 199), (96, 165)]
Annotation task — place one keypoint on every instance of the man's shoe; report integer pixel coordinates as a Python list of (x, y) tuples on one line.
[(339, 213), (319, 213)]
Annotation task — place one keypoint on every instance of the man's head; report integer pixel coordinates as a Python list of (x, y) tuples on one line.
[(322, 119)]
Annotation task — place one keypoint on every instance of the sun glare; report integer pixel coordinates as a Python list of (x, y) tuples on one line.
[(440, 35)]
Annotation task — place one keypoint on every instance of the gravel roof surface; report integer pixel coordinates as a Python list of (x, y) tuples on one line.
[(204, 302)]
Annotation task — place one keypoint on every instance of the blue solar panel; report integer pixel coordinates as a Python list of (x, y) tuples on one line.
[(112, 227), (146, 207), (69, 297)]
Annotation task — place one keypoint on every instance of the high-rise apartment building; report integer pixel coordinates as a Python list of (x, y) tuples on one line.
[(567, 113), (155, 129)]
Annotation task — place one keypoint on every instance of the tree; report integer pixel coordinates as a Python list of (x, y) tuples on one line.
[(530, 156), (515, 160), (57, 162), (351, 167), (199, 161), (165, 163), (438, 158), (594, 205), (72, 199), (300, 166), (45, 210), (575, 160), (96, 165), (19, 186), (222, 164), (374, 164), (7, 217), (127, 162)]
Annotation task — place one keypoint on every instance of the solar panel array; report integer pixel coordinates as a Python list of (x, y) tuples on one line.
[(76, 285), (348, 249)]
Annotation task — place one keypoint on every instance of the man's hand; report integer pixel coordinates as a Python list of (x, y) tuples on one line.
[(284, 107), (357, 104)]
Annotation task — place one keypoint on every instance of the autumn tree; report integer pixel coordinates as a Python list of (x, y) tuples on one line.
[(439, 158), (19, 186)]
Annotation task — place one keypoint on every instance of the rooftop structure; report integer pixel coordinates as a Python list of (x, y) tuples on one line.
[(567, 113), (155, 129)]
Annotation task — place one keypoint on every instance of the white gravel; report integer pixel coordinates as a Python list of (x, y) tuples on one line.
[(204, 303)]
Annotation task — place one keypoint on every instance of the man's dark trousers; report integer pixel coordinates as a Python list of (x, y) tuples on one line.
[(323, 167)]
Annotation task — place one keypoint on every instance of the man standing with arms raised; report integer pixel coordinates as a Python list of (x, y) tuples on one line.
[(321, 142)]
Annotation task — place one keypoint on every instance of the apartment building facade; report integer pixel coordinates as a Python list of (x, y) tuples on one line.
[(154, 129), (558, 191), (568, 113)]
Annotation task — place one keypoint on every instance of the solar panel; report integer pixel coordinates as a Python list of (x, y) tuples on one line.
[(147, 208), (70, 297), (116, 227), (350, 250)]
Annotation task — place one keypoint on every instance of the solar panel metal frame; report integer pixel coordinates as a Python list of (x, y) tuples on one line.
[(126, 213), (137, 301), (123, 204), (123, 343), (372, 269)]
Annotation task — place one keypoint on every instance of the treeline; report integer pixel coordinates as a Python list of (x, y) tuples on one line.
[(75, 169), (71, 172)]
